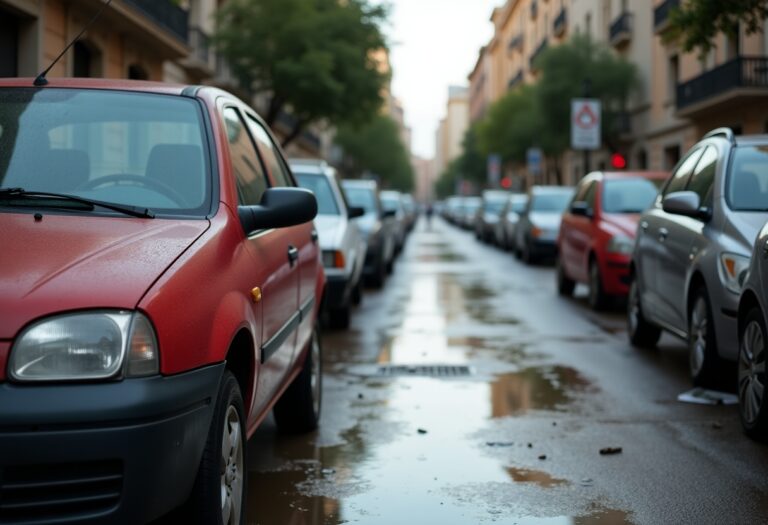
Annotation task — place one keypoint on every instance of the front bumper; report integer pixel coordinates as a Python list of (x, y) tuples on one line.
[(545, 248), (338, 289), (122, 452)]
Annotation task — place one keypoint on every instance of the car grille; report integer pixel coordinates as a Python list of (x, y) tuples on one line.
[(66, 492)]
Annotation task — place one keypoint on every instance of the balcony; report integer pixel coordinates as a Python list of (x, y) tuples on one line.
[(537, 53), (534, 8), (164, 13), (202, 60), (516, 42), (661, 14), (737, 82), (516, 80), (560, 24), (620, 32)]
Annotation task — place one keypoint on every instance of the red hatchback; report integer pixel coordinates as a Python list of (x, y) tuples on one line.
[(159, 286), (598, 231)]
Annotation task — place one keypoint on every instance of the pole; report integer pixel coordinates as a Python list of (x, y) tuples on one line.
[(587, 91)]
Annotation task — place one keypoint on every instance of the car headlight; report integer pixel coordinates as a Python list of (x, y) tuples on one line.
[(620, 244), (733, 271), (86, 346), (333, 259)]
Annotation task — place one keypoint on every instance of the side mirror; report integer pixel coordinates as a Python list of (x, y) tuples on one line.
[(355, 212), (581, 209), (685, 203), (279, 208)]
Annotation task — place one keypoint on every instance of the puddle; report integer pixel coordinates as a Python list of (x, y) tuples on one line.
[(542, 479), (541, 388), (473, 299)]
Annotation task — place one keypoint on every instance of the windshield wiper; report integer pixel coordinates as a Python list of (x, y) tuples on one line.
[(133, 211)]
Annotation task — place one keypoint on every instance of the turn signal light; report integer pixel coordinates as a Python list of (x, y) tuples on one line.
[(536, 232), (334, 259)]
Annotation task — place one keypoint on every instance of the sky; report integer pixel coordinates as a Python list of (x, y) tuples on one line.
[(434, 44)]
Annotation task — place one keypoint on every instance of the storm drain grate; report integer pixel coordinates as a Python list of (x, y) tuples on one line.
[(425, 370)]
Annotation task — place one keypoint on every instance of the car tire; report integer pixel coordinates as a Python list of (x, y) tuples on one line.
[(565, 285), (339, 318), (222, 474), (528, 257), (390, 266), (598, 299), (703, 361), (752, 376), (298, 409), (357, 293), (642, 333)]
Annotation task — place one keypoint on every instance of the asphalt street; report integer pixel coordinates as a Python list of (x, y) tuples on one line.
[(467, 391)]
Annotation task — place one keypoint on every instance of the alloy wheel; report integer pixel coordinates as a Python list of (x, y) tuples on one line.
[(633, 314), (232, 468), (698, 349), (315, 378), (752, 372)]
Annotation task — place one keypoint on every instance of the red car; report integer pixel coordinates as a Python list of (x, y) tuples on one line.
[(159, 287), (598, 230)]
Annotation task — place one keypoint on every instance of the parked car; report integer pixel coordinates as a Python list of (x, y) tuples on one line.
[(343, 245), (693, 248), (488, 215), (452, 209), (468, 211), (377, 227), (392, 203), (510, 215), (597, 233), (411, 211), (751, 377), (536, 231), (160, 299)]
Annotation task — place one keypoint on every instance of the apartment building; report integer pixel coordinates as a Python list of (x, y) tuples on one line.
[(451, 130)]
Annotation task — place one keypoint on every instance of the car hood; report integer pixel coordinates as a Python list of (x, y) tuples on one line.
[(330, 230), (546, 220), (622, 223), (747, 224), (70, 262)]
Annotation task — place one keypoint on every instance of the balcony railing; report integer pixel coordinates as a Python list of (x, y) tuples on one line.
[(537, 53), (516, 80), (739, 73), (165, 14), (621, 29), (661, 14), (516, 42), (559, 24)]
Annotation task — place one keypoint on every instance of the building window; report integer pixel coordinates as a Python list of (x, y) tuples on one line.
[(733, 43), (642, 160), (671, 156), (87, 60), (9, 45), (673, 76), (136, 72)]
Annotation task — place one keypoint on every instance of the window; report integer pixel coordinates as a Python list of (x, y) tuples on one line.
[(680, 178), (589, 196), (671, 157), (747, 187), (276, 166), (9, 45), (703, 177), (642, 159), (319, 185), (251, 181), (673, 77), (628, 195), (362, 198), (136, 72), (87, 60)]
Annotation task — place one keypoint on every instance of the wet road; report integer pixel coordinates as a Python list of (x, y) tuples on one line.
[(468, 392)]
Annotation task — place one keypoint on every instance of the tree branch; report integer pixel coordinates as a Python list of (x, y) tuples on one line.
[(295, 132)]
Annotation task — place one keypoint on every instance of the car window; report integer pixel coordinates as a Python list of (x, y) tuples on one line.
[(703, 177), (518, 205), (361, 197), (747, 187), (321, 187), (630, 195), (550, 201), (589, 196), (276, 166), (581, 191), (249, 173), (679, 178)]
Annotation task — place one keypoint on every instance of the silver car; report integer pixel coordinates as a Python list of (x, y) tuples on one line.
[(539, 223), (342, 244), (489, 214), (392, 202), (693, 249), (510, 216)]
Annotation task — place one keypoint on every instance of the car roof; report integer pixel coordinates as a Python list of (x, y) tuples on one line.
[(551, 189), (367, 184), (751, 140), (99, 83), (634, 174), (312, 167)]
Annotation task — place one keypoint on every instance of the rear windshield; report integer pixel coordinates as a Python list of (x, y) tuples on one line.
[(494, 205), (518, 204), (391, 203), (319, 185), (135, 149), (361, 198), (748, 181), (551, 201), (629, 195)]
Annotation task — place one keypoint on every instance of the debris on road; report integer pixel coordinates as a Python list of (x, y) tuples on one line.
[(609, 451), (530, 445), (499, 443), (543, 457), (421, 431), (703, 396)]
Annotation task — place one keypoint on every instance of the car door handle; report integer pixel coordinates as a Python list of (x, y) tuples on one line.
[(644, 225), (314, 236), (663, 234), (293, 255)]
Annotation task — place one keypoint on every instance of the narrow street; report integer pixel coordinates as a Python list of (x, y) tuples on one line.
[(468, 392)]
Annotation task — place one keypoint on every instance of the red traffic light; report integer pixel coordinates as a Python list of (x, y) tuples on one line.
[(506, 182), (618, 161)]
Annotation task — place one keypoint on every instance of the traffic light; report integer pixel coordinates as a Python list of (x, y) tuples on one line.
[(618, 161), (506, 182)]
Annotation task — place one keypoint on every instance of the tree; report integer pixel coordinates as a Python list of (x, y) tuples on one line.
[(472, 164), (376, 147), (511, 126), (314, 57), (695, 24)]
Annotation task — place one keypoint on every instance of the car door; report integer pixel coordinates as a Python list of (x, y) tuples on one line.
[(301, 239), (277, 293), (577, 231), (674, 236)]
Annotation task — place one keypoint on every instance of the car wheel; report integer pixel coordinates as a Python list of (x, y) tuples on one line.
[(218, 496), (298, 410), (702, 345), (390, 266), (642, 333), (357, 293), (340, 317), (751, 376), (528, 257), (597, 297), (565, 285)]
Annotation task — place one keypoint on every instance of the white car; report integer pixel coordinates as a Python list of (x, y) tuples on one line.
[(341, 242)]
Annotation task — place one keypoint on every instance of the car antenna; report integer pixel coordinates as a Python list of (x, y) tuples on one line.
[(40, 80)]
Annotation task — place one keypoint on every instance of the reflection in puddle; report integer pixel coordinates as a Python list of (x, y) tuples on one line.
[(460, 299), (541, 388), (542, 479)]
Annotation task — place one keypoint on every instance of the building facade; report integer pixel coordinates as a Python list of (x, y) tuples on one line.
[(450, 132)]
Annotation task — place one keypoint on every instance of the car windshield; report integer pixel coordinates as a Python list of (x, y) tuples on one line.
[(391, 203), (361, 198), (471, 206), (748, 180), (518, 204), (551, 201), (494, 206), (629, 195), (134, 149), (321, 187)]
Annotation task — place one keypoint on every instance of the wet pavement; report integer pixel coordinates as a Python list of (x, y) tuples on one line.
[(468, 392)]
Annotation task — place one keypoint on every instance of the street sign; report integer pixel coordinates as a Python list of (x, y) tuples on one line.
[(585, 123), (534, 158), (494, 170)]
